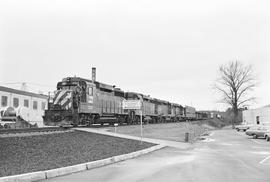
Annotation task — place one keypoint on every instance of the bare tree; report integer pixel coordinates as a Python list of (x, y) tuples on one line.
[(234, 83)]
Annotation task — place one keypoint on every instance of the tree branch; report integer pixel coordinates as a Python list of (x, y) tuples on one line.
[(234, 83)]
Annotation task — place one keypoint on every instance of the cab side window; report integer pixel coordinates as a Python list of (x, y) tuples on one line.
[(90, 91)]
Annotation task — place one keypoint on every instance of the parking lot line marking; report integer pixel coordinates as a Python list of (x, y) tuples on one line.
[(255, 140), (240, 133), (265, 159), (258, 147)]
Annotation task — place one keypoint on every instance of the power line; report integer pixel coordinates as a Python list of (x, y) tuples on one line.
[(29, 83), (11, 83), (38, 84), (28, 86)]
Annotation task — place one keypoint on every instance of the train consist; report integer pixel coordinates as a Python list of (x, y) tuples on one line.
[(79, 101)]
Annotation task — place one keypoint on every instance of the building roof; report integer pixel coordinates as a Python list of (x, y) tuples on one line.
[(20, 92)]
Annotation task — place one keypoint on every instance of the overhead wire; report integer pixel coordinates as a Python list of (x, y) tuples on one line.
[(30, 87)]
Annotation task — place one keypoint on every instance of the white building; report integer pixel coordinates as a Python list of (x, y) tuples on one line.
[(257, 116), (34, 104)]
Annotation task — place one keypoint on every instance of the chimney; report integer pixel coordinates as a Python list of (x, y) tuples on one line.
[(93, 74)]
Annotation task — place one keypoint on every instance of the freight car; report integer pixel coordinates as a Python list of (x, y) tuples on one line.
[(155, 110), (190, 113), (201, 115), (79, 101), (178, 112), (20, 108)]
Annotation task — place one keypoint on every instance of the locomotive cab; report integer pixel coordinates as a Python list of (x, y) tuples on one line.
[(73, 97)]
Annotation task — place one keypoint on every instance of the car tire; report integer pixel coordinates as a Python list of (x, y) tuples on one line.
[(267, 138), (244, 130), (237, 130), (254, 136)]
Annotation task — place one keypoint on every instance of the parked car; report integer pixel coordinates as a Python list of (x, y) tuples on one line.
[(243, 127), (267, 136), (258, 131)]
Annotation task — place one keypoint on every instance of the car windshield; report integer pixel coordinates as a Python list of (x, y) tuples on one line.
[(267, 128), (259, 127), (254, 127)]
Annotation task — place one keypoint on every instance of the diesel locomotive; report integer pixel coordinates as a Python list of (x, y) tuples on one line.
[(79, 101)]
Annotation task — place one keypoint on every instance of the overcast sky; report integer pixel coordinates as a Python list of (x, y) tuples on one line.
[(169, 49)]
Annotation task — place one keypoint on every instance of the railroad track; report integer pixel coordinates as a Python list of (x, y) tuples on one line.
[(32, 130)]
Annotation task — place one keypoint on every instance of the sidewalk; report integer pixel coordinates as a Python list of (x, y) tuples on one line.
[(180, 145)]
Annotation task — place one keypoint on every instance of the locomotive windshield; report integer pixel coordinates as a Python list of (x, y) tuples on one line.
[(68, 87), (69, 84)]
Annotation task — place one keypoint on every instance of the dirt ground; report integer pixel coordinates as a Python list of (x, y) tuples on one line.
[(165, 131)]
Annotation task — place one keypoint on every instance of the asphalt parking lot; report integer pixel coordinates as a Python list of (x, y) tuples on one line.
[(260, 140), (225, 155)]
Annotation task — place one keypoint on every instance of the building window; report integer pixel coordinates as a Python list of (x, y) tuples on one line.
[(43, 105), (4, 101), (35, 105), (15, 102), (26, 103)]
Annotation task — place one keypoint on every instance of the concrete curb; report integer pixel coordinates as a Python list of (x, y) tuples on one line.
[(42, 175), (64, 170), (123, 157), (35, 176)]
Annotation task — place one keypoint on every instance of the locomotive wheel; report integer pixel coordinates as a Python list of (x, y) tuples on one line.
[(90, 120), (163, 120)]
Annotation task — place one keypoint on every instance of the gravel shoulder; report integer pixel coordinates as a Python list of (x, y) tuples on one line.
[(36, 153)]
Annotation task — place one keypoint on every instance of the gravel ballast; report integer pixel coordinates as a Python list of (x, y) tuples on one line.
[(36, 153)]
